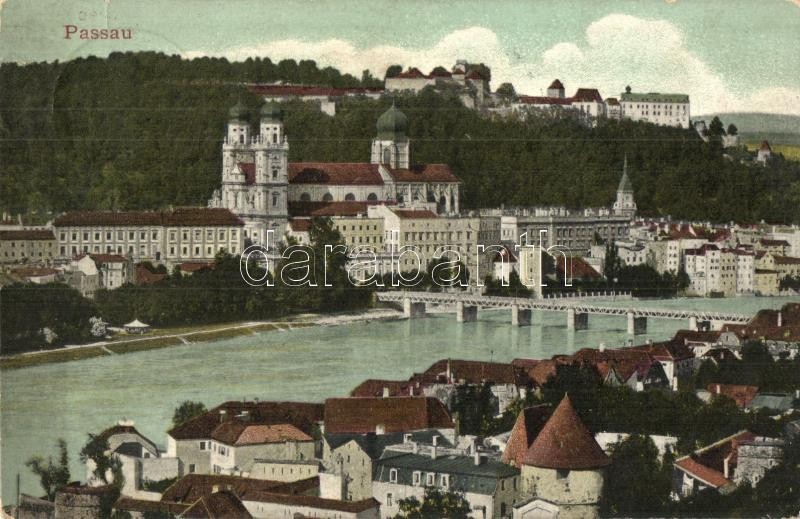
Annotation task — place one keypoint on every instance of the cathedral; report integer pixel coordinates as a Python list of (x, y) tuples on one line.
[(264, 189)]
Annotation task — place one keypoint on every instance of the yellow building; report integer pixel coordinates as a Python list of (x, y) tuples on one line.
[(27, 246)]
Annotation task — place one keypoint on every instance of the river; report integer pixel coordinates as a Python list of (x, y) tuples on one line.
[(67, 400)]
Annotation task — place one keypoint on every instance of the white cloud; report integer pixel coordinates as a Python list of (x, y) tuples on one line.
[(618, 50)]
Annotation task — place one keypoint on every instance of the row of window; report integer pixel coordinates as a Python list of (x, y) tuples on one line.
[(197, 235), (443, 235), (23, 255)]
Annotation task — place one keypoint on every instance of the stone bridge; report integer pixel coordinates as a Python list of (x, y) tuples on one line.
[(467, 305)]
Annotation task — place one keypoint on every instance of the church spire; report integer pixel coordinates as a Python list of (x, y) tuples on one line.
[(625, 182)]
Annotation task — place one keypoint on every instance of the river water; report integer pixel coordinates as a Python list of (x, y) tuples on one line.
[(66, 400)]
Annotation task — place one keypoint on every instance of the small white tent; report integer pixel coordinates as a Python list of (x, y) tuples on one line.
[(136, 326)]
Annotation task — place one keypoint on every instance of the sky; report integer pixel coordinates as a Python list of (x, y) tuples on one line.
[(728, 55)]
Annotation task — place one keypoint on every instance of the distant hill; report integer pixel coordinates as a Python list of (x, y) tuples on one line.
[(755, 127)]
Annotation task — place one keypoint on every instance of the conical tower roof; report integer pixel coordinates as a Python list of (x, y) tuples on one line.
[(392, 124), (565, 443), (625, 182)]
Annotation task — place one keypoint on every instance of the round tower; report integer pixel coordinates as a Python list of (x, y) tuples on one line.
[(564, 465), (391, 147)]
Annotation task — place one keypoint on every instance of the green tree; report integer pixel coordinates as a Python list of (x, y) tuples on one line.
[(635, 484), (186, 411), (716, 130), (733, 130), (106, 467), (506, 91), (437, 504), (52, 474), (394, 70)]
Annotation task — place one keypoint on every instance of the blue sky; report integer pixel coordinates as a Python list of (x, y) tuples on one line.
[(731, 55)]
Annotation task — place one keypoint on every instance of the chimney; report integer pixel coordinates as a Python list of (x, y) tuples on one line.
[(449, 373), (433, 452), (380, 429), (406, 438), (719, 389), (435, 440), (222, 413), (476, 458), (780, 319), (726, 465), (385, 392), (602, 346)]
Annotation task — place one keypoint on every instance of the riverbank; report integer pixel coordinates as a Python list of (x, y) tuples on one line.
[(166, 337)]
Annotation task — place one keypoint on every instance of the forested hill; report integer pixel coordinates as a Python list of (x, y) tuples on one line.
[(143, 131)]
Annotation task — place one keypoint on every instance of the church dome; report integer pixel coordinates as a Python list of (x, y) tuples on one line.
[(392, 124), (238, 111), (271, 110)]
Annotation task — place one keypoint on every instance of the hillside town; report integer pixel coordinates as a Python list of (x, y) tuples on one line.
[(706, 421), (380, 209), (391, 441)]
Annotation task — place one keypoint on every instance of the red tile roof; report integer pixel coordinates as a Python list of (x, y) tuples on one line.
[(539, 371), (144, 276), (300, 224), (394, 414), (34, 272), (130, 504), (556, 84), (438, 173), (529, 423), (577, 268), (304, 416), (195, 266), (612, 101), (474, 74), (543, 100), (586, 95), (192, 487), (412, 73), (236, 433), (474, 372), (184, 216), (705, 474), (740, 394), (415, 213), (28, 235), (335, 173), (565, 443), (374, 388), (322, 209), (786, 260), (219, 505), (314, 502), (440, 73), (105, 258)]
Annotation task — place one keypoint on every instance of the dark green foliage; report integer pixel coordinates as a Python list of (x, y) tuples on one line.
[(756, 368), (186, 411), (476, 407), (158, 486), (221, 295), (636, 484), (52, 474), (105, 466), (437, 504), (515, 288), (733, 130), (26, 310), (148, 126), (394, 70)]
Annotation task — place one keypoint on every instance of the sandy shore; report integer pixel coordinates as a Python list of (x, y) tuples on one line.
[(162, 338)]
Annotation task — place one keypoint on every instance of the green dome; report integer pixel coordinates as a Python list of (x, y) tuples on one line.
[(271, 110), (392, 124), (238, 111)]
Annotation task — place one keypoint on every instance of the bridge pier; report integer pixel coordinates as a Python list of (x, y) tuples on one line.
[(520, 317), (693, 323), (466, 313), (412, 310), (636, 325), (577, 320)]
